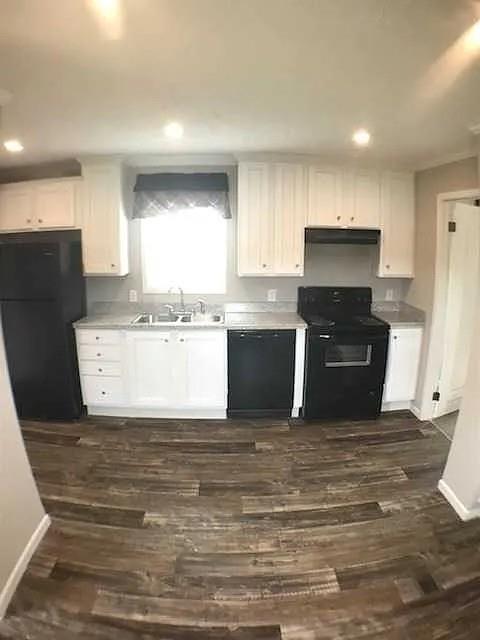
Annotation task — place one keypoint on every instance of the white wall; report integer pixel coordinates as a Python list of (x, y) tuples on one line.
[(21, 511)]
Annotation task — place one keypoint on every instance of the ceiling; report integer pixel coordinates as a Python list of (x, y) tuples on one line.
[(293, 76)]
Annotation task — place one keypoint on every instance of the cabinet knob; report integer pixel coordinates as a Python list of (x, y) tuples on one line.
[(98, 355), (339, 217), (387, 266), (395, 337), (29, 220), (97, 337), (40, 220), (182, 340), (112, 265), (165, 339), (297, 266), (103, 393), (264, 265), (100, 370), (352, 218)]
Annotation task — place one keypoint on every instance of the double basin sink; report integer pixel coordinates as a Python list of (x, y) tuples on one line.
[(158, 319)]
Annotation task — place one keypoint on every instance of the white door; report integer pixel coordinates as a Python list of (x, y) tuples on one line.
[(462, 300), (54, 204), (402, 366), (150, 362), (201, 378), (397, 241), (255, 226), (289, 211), (324, 198), (16, 207)]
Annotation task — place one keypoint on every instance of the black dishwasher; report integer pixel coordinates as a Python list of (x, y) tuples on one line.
[(261, 368)]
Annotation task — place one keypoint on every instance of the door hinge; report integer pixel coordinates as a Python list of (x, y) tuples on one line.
[(452, 226), (436, 396)]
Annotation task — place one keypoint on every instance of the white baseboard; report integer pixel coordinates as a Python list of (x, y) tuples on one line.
[(461, 510), (173, 414), (416, 411), (396, 406), (22, 563)]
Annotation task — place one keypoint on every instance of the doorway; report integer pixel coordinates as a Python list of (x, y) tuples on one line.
[(462, 286)]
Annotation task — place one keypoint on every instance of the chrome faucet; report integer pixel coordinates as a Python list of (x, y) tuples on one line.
[(182, 299), (203, 305)]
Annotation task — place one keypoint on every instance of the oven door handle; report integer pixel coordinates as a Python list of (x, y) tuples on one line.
[(321, 336)]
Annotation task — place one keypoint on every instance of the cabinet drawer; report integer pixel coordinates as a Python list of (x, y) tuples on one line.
[(91, 368), (100, 352), (102, 390), (90, 336)]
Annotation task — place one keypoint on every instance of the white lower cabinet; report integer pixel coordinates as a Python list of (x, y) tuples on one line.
[(202, 372), (150, 364), (157, 373), (402, 365)]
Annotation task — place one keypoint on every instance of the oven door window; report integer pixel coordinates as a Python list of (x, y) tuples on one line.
[(348, 355)]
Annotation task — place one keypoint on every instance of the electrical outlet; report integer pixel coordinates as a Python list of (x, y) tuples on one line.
[(389, 295), (132, 295), (272, 295)]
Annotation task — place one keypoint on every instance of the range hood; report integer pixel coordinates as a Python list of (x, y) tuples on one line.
[(315, 235)]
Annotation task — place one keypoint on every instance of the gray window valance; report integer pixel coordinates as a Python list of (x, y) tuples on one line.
[(157, 193)]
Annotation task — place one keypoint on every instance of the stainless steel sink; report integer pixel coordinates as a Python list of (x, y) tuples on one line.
[(156, 318), (153, 319)]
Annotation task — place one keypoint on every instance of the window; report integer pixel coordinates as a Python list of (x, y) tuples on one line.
[(185, 249)]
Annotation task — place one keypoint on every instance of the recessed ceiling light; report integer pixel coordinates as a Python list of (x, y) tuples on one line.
[(472, 36), (173, 130), (361, 137), (14, 146)]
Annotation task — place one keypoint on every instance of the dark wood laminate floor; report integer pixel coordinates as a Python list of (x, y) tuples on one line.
[(244, 531)]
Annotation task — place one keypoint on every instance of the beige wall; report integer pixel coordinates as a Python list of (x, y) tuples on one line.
[(454, 176), (20, 508)]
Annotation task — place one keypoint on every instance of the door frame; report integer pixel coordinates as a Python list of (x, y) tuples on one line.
[(437, 326)]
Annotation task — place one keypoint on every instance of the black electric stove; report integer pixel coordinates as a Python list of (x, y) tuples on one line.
[(346, 353)]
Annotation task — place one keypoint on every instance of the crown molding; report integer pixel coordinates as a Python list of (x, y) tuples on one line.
[(446, 159)]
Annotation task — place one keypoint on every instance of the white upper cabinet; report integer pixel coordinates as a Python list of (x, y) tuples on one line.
[(362, 199), (344, 199), (397, 243), (289, 218), (104, 224), (40, 204), (271, 219), (16, 207), (324, 198), (255, 220), (55, 203)]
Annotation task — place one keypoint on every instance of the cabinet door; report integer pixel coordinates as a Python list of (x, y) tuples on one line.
[(289, 212), (54, 204), (150, 359), (104, 226), (397, 243), (324, 198), (202, 378), (16, 207), (362, 200), (402, 367), (255, 220)]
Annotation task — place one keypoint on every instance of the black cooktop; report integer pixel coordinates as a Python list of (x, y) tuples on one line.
[(339, 309)]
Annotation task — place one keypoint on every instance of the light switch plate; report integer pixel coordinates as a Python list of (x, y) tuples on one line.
[(132, 295), (272, 295), (389, 294)]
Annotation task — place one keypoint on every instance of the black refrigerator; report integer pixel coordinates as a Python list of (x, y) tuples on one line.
[(42, 291)]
